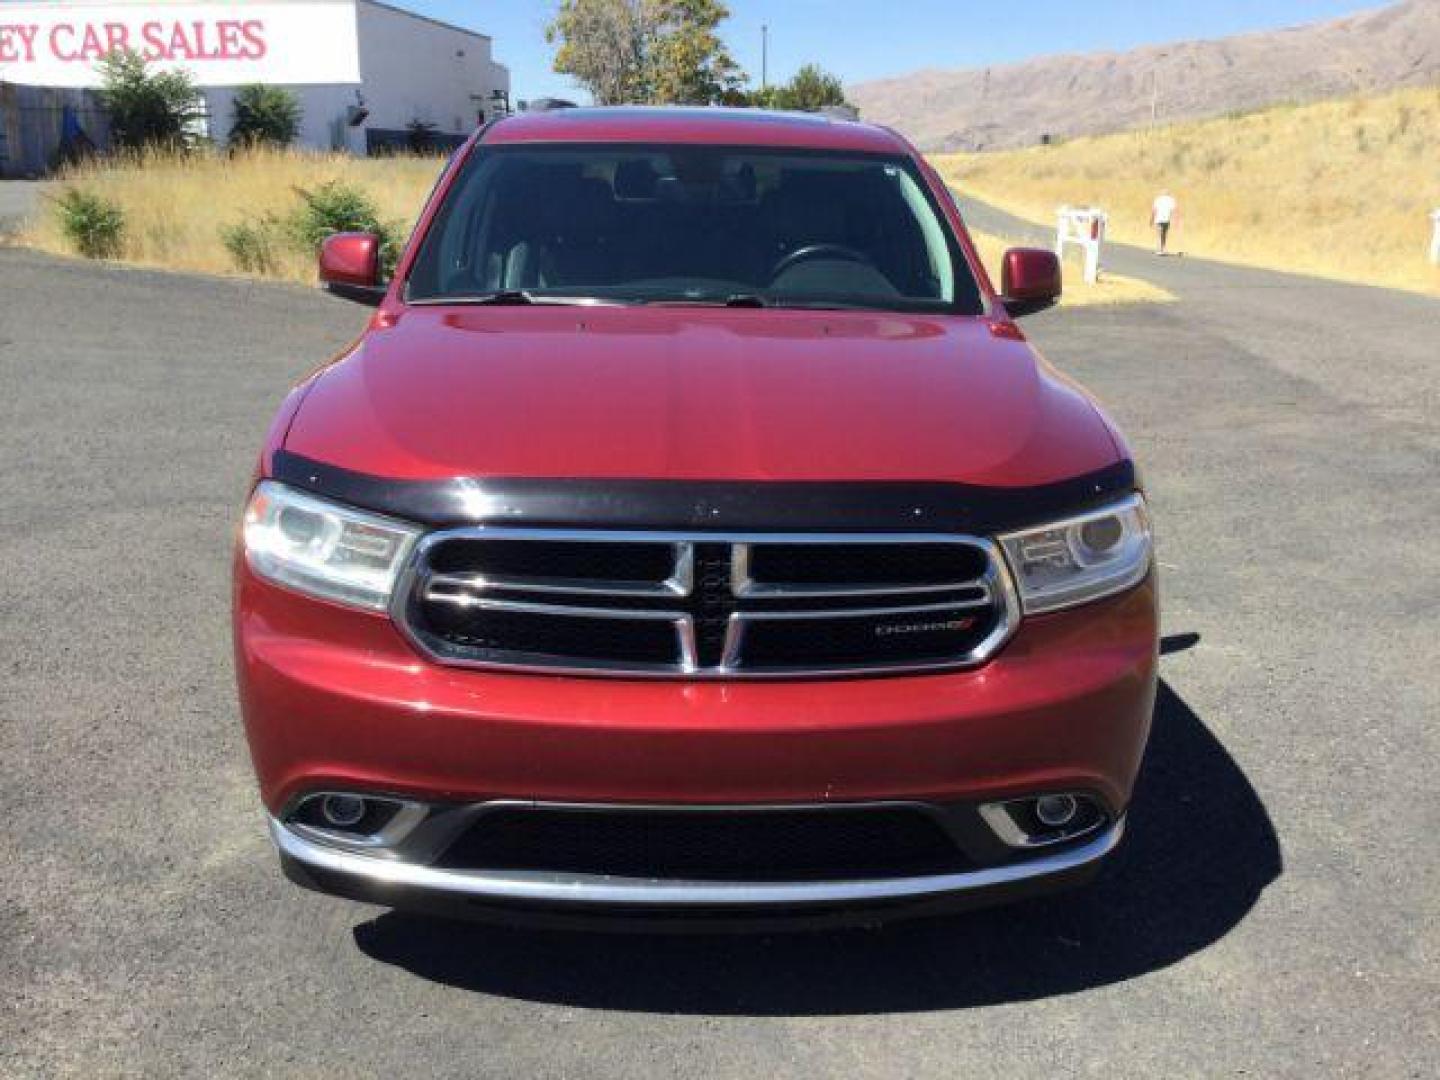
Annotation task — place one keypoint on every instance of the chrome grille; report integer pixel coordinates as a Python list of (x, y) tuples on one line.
[(705, 606)]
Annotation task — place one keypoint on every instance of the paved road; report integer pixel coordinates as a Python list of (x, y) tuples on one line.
[(17, 199), (1273, 912)]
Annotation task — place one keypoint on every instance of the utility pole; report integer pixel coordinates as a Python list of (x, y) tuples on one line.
[(765, 56), (1154, 96)]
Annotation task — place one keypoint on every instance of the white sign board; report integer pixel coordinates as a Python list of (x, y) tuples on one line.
[(221, 44), (1085, 226)]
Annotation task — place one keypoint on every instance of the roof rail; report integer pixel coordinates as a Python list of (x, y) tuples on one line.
[(549, 104)]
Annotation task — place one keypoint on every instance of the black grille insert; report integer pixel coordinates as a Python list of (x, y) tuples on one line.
[(847, 641), (801, 844), (576, 560), (714, 604), (867, 565), (482, 634)]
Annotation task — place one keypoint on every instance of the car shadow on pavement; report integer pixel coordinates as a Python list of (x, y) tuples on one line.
[(1200, 850)]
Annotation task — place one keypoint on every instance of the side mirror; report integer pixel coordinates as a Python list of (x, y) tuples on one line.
[(1030, 280), (350, 267)]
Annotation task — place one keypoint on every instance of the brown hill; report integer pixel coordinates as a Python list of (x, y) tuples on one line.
[(1063, 96)]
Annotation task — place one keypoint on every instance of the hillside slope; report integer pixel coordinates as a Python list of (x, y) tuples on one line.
[(1340, 189), (1066, 96)]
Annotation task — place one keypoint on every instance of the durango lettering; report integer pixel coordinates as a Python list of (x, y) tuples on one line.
[(922, 628)]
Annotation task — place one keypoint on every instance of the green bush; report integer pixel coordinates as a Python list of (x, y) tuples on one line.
[(149, 109), (338, 207), (255, 245), (264, 115), (812, 89), (95, 226)]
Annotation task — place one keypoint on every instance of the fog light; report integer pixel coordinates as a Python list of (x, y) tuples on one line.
[(1056, 811), (343, 811)]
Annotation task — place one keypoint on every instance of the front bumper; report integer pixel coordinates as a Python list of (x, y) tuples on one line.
[(337, 700), (585, 898)]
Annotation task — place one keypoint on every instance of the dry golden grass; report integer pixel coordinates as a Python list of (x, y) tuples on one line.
[(1340, 189), (1110, 289), (175, 207)]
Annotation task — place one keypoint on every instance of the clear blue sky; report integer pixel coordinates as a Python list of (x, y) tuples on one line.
[(866, 39)]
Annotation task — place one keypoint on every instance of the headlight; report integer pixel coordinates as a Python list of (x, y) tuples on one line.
[(1082, 558), (324, 549)]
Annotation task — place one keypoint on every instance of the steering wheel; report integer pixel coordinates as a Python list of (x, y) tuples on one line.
[(819, 251)]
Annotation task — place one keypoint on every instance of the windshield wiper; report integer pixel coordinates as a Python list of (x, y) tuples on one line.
[(518, 298), (757, 300), (526, 298), (734, 300), (827, 305), (505, 298)]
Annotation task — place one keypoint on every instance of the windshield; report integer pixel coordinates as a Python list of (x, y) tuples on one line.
[(692, 225)]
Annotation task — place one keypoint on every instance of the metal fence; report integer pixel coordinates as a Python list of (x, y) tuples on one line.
[(382, 141), (40, 128)]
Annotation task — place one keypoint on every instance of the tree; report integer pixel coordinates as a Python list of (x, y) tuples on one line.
[(688, 63), (646, 51), (763, 97), (602, 46), (264, 115), (148, 108), (811, 90)]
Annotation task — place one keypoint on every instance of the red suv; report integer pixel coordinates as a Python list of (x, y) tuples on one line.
[(692, 531)]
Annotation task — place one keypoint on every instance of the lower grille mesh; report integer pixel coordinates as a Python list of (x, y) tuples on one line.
[(709, 845)]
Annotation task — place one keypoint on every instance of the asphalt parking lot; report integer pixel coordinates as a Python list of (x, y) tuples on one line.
[(17, 199), (1274, 911)]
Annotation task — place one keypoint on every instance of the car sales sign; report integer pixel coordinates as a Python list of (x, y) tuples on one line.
[(305, 42)]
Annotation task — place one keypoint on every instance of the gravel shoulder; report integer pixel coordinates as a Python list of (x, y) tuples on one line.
[(1273, 911)]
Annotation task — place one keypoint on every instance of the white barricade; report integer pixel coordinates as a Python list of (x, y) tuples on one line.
[(1083, 225), (1435, 237)]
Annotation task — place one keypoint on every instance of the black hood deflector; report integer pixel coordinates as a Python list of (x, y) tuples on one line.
[(722, 505)]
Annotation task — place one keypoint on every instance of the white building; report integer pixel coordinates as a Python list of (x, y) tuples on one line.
[(365, 72)]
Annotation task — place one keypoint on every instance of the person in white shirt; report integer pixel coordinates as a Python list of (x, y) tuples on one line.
[(1162, 215)]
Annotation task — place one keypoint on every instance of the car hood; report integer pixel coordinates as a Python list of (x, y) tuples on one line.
[(697, 394)]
